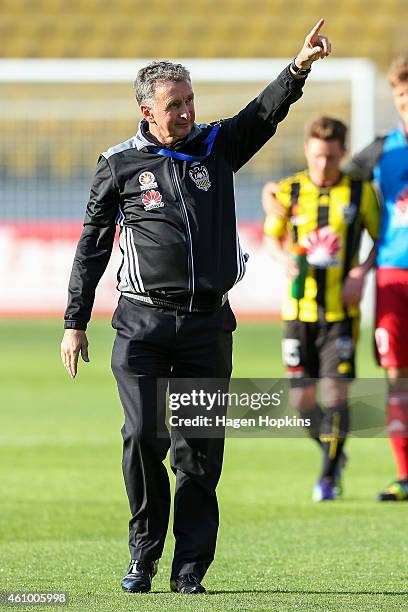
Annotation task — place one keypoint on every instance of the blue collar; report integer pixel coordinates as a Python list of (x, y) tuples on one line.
[(209, 141)]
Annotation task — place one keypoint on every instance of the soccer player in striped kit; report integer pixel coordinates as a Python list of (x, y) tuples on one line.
[(324, 212)]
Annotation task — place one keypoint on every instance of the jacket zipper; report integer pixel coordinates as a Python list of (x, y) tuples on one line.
[(184, 214)]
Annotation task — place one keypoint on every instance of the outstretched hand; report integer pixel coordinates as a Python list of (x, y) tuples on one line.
[(315, 47)]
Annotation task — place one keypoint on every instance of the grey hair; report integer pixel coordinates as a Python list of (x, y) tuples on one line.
[(154, 73)]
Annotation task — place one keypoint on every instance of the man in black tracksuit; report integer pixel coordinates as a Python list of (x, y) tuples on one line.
[(171, 190)]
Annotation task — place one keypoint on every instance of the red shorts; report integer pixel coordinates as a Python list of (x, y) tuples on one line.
[(391, 325)]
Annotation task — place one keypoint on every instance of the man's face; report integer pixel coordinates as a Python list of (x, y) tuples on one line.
[(172, 115), (400, 93), (323, 160)]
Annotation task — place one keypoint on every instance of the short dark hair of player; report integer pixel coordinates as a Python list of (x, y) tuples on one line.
[(327, 128), (398, 72)]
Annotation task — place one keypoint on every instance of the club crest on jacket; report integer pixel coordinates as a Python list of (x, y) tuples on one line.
[(199, 174)]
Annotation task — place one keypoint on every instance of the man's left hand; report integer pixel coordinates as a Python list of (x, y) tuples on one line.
[(353, 286), (315, 47)]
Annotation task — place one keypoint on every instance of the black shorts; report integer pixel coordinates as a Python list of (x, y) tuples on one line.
[(320, 349)]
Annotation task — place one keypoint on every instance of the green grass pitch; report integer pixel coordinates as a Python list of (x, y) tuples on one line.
[(64, 513)]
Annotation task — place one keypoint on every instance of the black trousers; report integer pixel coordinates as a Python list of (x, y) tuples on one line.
[(154, 343)]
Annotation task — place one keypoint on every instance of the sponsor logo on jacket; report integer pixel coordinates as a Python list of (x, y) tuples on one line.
[(147, 180), (152, 199), (199, 174)]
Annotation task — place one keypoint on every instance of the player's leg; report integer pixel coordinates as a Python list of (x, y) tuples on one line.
[(203, 351), (391, 337), (397, 428), (301, 358), (303, 399), (337, 344), (301, 362), (140, 356), (333, 432)]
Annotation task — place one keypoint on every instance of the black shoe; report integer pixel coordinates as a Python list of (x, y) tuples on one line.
[(396, 491), (138, 578), (186, 583)]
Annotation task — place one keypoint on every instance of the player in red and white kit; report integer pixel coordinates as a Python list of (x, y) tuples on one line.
[(386, 161)]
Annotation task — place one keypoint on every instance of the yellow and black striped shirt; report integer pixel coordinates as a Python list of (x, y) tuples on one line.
[(329, 222)]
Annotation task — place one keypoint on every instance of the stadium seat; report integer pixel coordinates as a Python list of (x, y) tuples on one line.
[(128, 29), (262, 28)]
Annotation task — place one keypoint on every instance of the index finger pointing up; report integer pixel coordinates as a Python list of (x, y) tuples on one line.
[(315, 31)]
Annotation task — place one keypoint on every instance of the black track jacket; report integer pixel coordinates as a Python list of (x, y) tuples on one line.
[(176, 211)]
